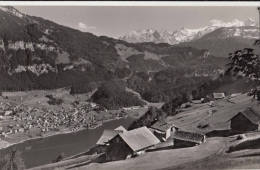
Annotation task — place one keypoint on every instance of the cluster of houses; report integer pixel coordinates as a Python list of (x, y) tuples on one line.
[(121, 144), (22, 118), (245, 120)]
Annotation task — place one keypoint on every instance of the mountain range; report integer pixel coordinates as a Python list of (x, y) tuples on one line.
[(36, 53), (186, 34)]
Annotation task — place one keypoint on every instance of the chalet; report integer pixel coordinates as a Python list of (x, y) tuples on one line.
[(103, 142), (218, 95), (187, 139), (131, 143), (107, 135), (162, 130), (247, 120)]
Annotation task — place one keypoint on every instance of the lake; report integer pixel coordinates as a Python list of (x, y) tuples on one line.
[(41, 151)]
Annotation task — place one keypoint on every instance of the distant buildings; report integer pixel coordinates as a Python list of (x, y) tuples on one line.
[(29, 118), (246, 120), (218, 95)]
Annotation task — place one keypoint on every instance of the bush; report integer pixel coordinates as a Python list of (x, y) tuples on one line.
[(54, 101), (171, 106), (151, 116)]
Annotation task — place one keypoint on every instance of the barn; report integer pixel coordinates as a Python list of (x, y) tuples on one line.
[(162, 130), (107, 135), (246, 120), (130, 143), (187, 139)]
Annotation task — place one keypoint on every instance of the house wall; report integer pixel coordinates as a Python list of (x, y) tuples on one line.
[(169, 144), (182, 144), (163, 136), (159, 134), (241, 123), (117, 150), (101, 148), (168, 133)]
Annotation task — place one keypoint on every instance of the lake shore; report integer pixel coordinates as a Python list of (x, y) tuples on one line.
[(24, 138), (5, 144)]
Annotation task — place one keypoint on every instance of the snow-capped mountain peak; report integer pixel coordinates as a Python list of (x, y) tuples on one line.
[(183, 34), (233, 23)]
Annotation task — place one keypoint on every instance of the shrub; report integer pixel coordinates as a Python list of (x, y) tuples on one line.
[(54, 101)]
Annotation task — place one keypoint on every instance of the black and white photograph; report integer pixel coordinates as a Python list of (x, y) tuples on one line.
[(129, 85)]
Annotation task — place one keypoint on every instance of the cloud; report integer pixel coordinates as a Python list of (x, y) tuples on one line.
[(83, 27)]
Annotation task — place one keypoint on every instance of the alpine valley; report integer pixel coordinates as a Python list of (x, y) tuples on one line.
[(39, 54), (146, 100)]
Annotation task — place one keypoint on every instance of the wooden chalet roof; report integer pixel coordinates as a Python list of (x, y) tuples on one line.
[(189, 136), (106, 136), (140, 138)]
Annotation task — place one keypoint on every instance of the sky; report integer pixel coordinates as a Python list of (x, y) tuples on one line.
[(119, 20)]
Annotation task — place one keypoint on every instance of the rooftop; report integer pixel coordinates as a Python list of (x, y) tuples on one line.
[(251, 115), (218, 95), (189, 136), (162, 126), (107, 136), (139, 138)]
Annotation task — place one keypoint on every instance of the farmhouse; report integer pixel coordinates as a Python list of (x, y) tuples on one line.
[(107, 135), (187, 139), (162, 130), (130, 143), (247, 120)]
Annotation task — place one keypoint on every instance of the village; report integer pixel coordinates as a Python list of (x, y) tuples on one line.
[(197, 122), (26, 118), (31, 119), (219, 125)]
